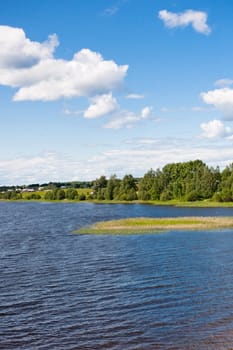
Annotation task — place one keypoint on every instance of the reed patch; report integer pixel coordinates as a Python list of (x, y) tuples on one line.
[(155, 225)]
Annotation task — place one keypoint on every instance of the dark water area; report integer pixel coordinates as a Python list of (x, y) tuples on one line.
[(62, 291)]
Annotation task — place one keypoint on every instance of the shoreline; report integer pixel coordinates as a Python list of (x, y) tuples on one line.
[(173, 203), (156, 225)]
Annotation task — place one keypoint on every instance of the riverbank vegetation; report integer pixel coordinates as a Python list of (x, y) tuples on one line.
[(155, 225), (187, 182)]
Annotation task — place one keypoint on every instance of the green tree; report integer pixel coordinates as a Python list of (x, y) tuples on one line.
[(127, 189), (60, 194), (12, 195), (33, 196), (71, 194), (49, 195), (99, 188), (112, 188), (150, 186)]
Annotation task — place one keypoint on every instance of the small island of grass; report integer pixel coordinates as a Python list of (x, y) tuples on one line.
[(156, 225)]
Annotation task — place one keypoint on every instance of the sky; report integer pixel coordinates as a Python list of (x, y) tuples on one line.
[(103, 87)]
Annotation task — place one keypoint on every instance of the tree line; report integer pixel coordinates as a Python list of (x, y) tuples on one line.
[(186, 181)]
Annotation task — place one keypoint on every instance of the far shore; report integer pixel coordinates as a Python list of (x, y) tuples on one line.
[(175, 203), (156, 225)]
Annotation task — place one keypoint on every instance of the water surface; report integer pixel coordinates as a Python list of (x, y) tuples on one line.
[(64, 291)]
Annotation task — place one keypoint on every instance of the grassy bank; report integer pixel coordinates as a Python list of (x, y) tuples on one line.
[(155, 225), (174, 203), (177, 203)]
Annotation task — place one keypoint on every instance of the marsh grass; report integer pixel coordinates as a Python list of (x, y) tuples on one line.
[(155, 225)]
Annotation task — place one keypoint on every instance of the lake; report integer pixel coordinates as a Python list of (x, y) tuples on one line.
[(62, 291)]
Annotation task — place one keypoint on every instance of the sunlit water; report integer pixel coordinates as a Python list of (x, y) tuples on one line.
[(59, 290)]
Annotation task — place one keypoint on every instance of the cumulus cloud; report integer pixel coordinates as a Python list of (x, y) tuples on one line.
[(19, 52), (215, 129), (100, 106), (197, 19), (32, 68), (221, 99), (127, 119)]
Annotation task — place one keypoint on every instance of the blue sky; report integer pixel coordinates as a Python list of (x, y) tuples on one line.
[(97, 87)]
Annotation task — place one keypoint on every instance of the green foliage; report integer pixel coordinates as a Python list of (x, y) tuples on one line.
[(112, 188), (71, 194), (188, 181), (49, 195), (128, 189), (217, 197), (100, 183), (82, 197), (11, 195), (60, 195), (193, 196), (33, 196), (149, 186), (226, 195), (166, 195)]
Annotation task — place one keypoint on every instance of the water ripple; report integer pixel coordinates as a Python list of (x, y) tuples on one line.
[(63, 291)]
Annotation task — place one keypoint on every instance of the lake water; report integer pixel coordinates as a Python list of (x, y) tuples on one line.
[(61, 291)]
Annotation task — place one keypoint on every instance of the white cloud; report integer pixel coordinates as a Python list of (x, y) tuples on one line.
[(221, 99), (134, 157), (198, 20), (31, 67), (215, 129), (19, 52), (125, 119), (100, 106), (128, 119), (146, 112), (138, 159), (135, 96), (40, 168), (223, 83), (186, 109)]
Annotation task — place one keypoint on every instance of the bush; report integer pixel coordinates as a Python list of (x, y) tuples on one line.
[(49, 195), (217, 197), (33, 196), (193, 196), (71, 194), (82, 197), (165, 195), (60, 195), (226, 195)]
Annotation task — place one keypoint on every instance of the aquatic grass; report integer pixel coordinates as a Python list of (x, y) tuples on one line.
[(155, 225)]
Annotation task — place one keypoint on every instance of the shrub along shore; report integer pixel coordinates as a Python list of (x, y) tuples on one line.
[(156, 225)]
